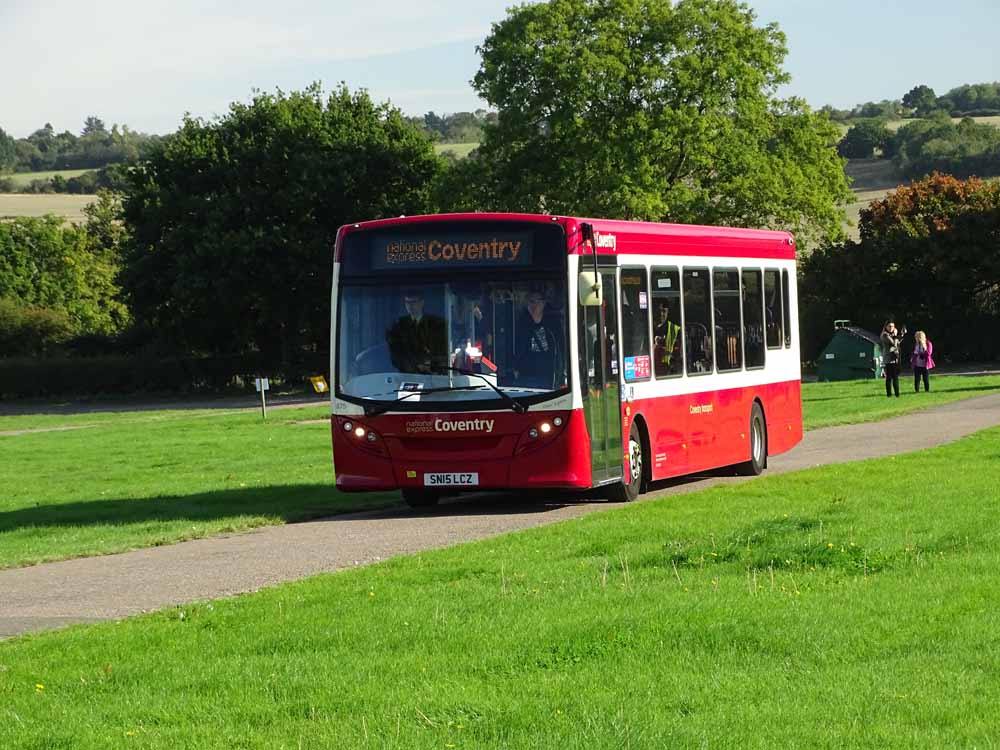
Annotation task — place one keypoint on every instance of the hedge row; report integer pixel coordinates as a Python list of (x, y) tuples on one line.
[(118, 375)]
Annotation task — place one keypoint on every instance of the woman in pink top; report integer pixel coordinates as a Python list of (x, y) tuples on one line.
[(922, 360)]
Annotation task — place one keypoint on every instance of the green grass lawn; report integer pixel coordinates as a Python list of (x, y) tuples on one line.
[(847, 606), (121, 481), (828, 404)]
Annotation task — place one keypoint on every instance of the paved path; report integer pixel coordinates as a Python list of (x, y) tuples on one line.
[(116, 586)]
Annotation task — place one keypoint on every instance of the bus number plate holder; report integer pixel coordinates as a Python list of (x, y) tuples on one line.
[(463, 479)]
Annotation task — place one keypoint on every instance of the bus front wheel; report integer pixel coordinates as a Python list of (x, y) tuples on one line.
[(420, 498), (758, 444), (626, 493)]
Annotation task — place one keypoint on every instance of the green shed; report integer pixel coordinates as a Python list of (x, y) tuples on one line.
[(852, 354)]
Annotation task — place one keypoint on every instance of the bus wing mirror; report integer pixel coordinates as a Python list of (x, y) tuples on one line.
[(589, 289)]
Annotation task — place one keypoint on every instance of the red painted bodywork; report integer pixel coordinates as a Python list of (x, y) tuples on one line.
[(631, 237), (684, 437), (504, 457)]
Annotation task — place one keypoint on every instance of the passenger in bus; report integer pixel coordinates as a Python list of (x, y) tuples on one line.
[(699, 348), (418, 342), (666, 339), (539, 353), (468, 330)]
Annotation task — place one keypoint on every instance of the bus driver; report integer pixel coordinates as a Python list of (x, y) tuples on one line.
[(418, 342)]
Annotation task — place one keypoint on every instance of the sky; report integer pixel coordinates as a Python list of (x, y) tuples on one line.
[(144, 64)]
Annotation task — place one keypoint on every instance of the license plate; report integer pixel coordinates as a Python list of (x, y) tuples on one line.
[(468, 479)]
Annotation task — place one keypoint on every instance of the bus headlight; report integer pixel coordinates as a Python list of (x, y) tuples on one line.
[(363, 437), (540, 434)]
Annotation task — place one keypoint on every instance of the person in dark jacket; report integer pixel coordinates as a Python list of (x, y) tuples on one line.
[(540, 352), (418, 342), (890, 341)]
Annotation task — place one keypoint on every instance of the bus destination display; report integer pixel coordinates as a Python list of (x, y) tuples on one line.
[(451, 250)]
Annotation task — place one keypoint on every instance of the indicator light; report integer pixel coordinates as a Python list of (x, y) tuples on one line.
[(557, 421), (532, 433), (348, 426)]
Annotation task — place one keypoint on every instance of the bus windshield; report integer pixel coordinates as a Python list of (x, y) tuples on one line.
[(448, 340)]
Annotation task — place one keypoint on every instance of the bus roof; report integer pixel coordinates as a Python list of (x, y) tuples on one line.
[(615, 237)]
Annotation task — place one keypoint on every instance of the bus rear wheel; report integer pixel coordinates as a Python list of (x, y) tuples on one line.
[(420, 498), (758, 444), (626, 493)]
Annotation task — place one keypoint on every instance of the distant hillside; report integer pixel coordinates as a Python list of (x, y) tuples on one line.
[(871, 179)]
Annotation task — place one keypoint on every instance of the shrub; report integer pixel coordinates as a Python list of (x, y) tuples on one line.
[(29, 329)]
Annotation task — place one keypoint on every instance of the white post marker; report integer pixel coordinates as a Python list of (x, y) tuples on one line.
[(262, 387)]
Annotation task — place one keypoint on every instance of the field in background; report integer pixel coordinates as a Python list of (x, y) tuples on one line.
[(69, 207), (847, 606), (991, 120), (871, 179), (21, 179), (459, 150), (120, 481)]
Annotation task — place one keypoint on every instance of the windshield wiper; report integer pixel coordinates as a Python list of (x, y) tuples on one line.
[(375, 410), (515, 405)]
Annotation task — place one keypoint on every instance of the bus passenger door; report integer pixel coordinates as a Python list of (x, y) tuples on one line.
[(599, 378)]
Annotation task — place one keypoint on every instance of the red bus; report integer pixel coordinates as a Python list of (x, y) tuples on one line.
[(515, 351)]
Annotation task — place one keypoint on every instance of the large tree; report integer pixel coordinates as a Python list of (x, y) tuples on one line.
[(647, 109), (232, 222), (8, 151), (921, 99), (863, 137)]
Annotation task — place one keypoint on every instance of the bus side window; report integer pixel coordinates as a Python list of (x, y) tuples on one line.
[(772, 308), (728, 329), (697, 295), (753, 317), (786, 315), (635, 324), (668, 343)]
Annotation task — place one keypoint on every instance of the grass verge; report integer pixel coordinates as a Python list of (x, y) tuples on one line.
[(121, 481), (854, 401), (849, 605)]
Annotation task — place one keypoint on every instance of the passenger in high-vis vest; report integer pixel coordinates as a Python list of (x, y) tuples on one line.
[(666, 340)]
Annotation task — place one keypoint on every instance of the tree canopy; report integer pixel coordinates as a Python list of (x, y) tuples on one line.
[(921, 99), (95, 147), (863, 138), (233, 221), (937, 144), (928, 257), (54, 273), (8, 151), (647, 109)]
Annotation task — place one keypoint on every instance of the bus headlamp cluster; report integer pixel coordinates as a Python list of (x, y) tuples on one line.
[(540, 433), (362, 435)]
